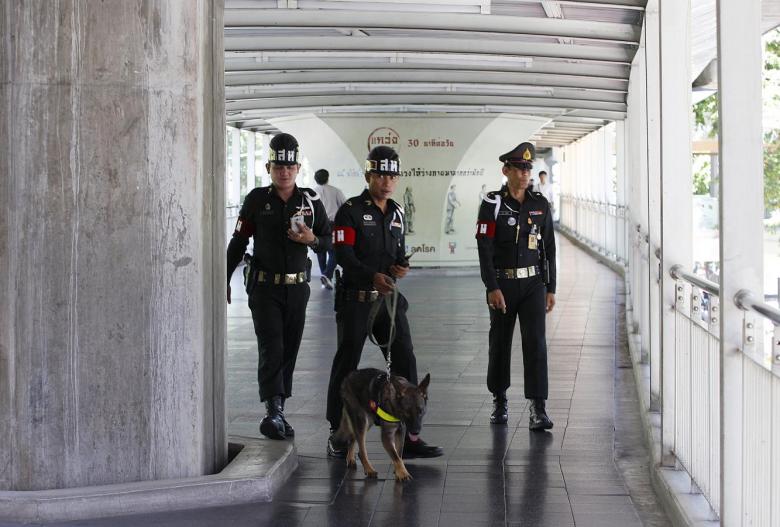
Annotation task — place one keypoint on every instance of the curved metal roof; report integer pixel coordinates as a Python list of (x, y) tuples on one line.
[(567, 60)]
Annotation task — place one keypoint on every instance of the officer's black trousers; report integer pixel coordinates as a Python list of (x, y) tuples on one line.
[(278, 313), (351, 321), (525, 300)]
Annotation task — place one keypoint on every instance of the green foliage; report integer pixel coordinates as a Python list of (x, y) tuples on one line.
[(772, 170), (705, 114), (701, 176)]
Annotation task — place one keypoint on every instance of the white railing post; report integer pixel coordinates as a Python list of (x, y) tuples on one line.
[(250, 162), (741, 207), (676, 203), (234, 190)]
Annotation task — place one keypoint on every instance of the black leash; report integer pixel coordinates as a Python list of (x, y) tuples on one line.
[(391, 303)]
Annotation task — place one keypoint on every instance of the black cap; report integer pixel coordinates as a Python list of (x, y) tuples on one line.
[(384, 161), (522, 156), (283, 150)]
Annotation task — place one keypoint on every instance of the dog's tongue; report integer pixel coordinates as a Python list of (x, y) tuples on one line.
[(414, 437)]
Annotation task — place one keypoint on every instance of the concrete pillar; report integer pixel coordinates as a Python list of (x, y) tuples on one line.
[(112, 322)]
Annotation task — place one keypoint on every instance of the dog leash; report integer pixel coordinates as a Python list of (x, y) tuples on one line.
[(391, 303)]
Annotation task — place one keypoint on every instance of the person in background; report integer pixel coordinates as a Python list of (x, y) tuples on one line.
[(332, 198), (545, 187)]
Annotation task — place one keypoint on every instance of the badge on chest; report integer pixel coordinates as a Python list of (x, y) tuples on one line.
[(368, 220), (533, 238)]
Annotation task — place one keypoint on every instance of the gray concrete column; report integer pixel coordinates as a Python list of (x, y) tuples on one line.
[(112, 319)]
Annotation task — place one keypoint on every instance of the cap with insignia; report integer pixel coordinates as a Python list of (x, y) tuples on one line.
[(522, 156), (384, 161), (283, 150)]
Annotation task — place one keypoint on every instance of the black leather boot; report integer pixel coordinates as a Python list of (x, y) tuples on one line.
[(272, 425), (289, 431), (538, 419), (500, 413), (336, 448)]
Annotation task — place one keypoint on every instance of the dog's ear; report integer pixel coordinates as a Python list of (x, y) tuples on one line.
[(423, 386)]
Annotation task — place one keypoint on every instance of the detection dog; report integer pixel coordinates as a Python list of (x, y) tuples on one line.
[(394, 404)]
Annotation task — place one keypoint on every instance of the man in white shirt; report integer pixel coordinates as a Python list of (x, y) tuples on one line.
[(545, 187), (332, 198)]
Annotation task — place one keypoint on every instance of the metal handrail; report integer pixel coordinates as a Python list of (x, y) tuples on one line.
[(747, 301), (678, 272)]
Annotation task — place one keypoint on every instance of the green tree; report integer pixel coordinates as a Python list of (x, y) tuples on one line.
[(705, 115), (772, 170)]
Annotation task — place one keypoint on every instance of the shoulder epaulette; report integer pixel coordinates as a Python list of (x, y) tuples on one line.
[(398, 206), (492, 196), (313, 195)]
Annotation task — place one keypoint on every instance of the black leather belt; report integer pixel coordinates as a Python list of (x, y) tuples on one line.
[(360, 296), (517, 273), (264, 277)]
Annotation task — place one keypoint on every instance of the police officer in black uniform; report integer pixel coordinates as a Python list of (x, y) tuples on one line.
[(516, 245), (368, 237), (284, 221)]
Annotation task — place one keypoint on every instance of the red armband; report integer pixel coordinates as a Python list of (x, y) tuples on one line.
[(343, 236), (486, 229), (244, 228)]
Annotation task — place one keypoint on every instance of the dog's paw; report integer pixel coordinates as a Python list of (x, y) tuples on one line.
[(403, 475), (370, 473)]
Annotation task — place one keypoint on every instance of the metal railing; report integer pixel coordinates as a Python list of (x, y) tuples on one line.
[(695, 404), (697, 382), (600, 224)]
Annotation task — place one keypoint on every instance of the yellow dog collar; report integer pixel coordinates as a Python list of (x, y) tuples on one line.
[(382, 414)]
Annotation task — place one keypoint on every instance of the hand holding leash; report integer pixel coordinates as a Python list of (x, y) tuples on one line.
[(383, 283)]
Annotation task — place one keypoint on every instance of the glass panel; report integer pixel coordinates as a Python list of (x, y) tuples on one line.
[(771, 129)]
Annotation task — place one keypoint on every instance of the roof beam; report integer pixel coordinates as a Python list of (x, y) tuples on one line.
[(457, 76), (514, 25), (595, 115), (337, 60), (620, 55), (411, 88), (436, 98), (618, 4)]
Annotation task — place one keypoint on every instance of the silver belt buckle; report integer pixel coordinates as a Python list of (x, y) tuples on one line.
[(261, 276), (373, 295), (532, 271), (522, 273), (290, 279)]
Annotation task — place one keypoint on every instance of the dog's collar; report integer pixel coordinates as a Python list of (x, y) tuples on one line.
[(384, 416)]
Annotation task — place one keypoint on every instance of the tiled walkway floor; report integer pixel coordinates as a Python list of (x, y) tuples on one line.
[(590, 470)]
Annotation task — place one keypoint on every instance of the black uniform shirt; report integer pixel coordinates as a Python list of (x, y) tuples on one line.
[(503, 227), (266, 217), (368, 241)]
